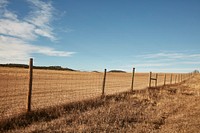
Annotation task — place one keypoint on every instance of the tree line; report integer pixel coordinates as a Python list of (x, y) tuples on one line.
[(37, 67)]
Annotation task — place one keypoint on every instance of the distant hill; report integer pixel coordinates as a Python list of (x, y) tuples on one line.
[(96, 71), (117, 71), (37, 67)]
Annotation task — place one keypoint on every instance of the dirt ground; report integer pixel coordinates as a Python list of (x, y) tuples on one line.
[(167, 109)]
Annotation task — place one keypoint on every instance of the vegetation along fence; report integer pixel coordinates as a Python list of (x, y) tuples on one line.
[(23, 89)]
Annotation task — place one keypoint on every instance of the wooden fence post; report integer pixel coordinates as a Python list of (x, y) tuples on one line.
[(165, 79), (133, 75), (178, 78), (171, 79), (156, 80), (150, 79), (175, 79), (104, 83), (181, 78), (30, 84)]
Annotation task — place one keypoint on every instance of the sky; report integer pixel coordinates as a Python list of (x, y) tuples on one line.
[(88, 35)]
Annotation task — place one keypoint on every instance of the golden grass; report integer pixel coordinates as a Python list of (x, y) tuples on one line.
[(52, 88), (171, 108)]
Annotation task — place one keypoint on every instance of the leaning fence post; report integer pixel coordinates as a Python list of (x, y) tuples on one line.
[(150, 79), (104, 82), (30, 84), (165, 79), (156, 82), (133, 75)]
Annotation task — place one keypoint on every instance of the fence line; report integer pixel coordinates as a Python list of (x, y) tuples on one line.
[(49, 87)]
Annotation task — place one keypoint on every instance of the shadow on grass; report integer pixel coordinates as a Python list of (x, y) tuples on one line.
[(50, 113), (47, 114)]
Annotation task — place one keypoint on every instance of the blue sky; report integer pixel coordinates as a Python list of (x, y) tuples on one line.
[(156, 35)]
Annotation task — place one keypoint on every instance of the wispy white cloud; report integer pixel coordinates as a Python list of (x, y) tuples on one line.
[(174, 69), (151, 64), (163, 55), (41, 16), (10, 15), (65, 30), (18, 51), (3, 3), (16, 35), (16, 28), (190, 62), (166, 61), (169, 55), (37, 23)]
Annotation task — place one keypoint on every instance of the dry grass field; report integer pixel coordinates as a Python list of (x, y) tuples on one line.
[(171, 109), (51, 88)]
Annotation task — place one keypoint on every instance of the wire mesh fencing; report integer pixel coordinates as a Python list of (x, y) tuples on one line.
[(13, 91), (60, 87), (53, 87), (117, 82), (141, 81)]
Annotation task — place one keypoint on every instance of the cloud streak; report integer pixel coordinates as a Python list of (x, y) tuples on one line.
[(169, 55), (168, 61), (17, 51), (41, 17), (151, 65), (17, 35)]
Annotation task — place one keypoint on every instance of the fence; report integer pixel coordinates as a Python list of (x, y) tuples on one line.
[(30, 89)]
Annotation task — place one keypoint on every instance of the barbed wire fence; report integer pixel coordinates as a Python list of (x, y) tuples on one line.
[(30, 89)]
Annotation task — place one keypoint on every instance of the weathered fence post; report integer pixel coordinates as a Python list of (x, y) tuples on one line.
[(133, 75), (30, 84), (165, 79), (181, 77), (171, 79), (178, 78), (150, 79), (175, 79), (156, 80), (104, 83)]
